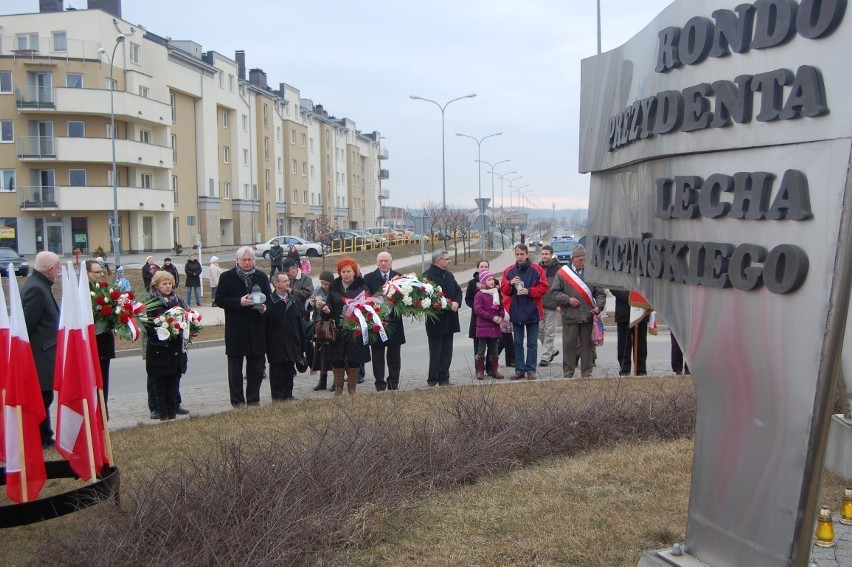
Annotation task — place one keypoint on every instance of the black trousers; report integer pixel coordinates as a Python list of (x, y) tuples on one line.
[(152, 394), (105, 376), (281, 376), (44, 427), (167, 389), (254, 377), (393, 353), (625, 347), (678, 365), (440, 357)]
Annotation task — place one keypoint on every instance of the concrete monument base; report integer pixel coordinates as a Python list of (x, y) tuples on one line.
[(838, 449), (664, 558)]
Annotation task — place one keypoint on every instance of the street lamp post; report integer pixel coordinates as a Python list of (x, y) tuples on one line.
[(442, 108), (493, 201), (508, 173), (479, 172), (513, 189), (116, 236)]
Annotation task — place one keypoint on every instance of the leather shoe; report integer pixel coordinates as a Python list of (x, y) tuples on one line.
[(531, 375), (554, 355), (543, 362), (517, 376), (182, 411), (155, 414)]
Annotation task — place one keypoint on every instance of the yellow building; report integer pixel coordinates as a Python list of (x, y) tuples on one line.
[(204, 150)]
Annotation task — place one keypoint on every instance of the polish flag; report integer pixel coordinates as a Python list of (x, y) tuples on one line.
[(5, 337), (24, 409), (78, 423)]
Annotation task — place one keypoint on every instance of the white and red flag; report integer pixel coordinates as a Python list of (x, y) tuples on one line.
[(24, 409), (5, 337), (578, 284), (78, 422)]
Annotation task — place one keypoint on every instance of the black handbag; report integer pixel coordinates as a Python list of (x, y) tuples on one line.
[(325, 331)]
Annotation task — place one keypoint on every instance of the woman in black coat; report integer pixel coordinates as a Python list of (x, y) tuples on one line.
[(284, 338), (348, 352), (193, 279), (165, 360)]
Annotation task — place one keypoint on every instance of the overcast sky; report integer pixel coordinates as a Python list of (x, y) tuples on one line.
[(361, 60)]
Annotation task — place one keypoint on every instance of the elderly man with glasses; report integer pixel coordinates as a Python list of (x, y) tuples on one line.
[(440, 330)]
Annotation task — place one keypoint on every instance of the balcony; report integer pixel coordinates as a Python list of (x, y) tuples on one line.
[(384, 174), (93, 198), (128, 106), (35, 98), (99, 150), (384, 194), (383, 153)]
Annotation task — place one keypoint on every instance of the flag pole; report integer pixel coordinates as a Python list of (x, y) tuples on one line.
[(23, 454), (107, 440), (87, 420), (636, 349)]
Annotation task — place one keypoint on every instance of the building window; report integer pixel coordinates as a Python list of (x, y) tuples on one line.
[(145, 180), (304, 169), (266, 180), (60, 41), (221, 80), (77, 177), (76, 129), (305, 197), (224, 119), (27, 42), (265, 115), (293, 167), (226, 154), (7, 179), (294, 196), (266, 148), (245, 157), (175, 187), (144, 91), (5, 82), (245, 123), (74, 80), (231, 83), (7, 131), (117, 178), (268, 209), (211, 187), (110, 84), (173, 104), (304, 139), (245, 194), (279, 165), (174, 148), (135, 52), (280, 194), (292, 136), (312, 145), (254, 191), (277, 132), (227, 188), (145, 136)]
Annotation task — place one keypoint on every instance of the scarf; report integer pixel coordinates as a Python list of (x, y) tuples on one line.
[(168, 301), (495, 299), (245, 276)]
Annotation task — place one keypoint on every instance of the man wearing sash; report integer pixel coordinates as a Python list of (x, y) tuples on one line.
[(579, 303)]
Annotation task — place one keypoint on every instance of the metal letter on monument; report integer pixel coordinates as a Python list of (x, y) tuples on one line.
[(753, 276)]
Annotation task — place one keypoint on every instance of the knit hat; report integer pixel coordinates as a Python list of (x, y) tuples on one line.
[(148, 258), (167, 260), (484, 275), (326, 276), (119, 270), (214, 259), (578, 251)]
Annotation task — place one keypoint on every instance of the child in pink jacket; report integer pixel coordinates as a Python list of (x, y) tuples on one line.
[(489, 314)]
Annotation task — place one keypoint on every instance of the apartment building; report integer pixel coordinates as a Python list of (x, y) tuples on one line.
[(204, 149)]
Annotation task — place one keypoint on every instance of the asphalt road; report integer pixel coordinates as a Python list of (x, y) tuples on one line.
[(205, 390)]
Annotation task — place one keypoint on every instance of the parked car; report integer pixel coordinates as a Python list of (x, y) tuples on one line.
[(563, 249), (386, 234), (535, 241), (374, 240), (338, 239), (21, 266), (304, 247)]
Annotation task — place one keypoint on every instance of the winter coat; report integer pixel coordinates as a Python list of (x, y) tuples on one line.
[(447, 321), (148, 271), (172, 269), (302, 288), (469, 295), (347, 347), (524, 309), (193, 273), (284, 331), (215, 272), (41, 314), (485, 310), (276, 255), (165, 359), (562, 290), (394, 324), (245, 329), (550, 270)]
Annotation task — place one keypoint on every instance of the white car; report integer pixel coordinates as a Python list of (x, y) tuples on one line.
[(304, 247)]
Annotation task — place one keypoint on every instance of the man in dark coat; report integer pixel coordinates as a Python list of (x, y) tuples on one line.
[(284, 338), (42, 316), (245, 328), (441, 329), (172, 269), (276, 257), (106, 339), (626, 334), (391, 349), (193, 280)]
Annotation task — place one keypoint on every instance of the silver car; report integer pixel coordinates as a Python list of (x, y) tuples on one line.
[(303, 247)]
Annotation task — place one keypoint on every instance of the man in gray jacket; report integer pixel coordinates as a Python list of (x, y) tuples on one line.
[(550, 264), (579, 303), (301, 284)]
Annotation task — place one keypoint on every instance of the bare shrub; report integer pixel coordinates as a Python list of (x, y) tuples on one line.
[(308, 496)]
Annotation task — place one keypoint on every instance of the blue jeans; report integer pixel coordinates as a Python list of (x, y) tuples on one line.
[(189, 295), (527, 364)]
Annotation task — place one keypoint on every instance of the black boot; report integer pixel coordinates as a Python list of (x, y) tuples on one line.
[(323, 382)]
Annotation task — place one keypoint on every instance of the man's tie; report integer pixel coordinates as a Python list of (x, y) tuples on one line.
[(385, 276)]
